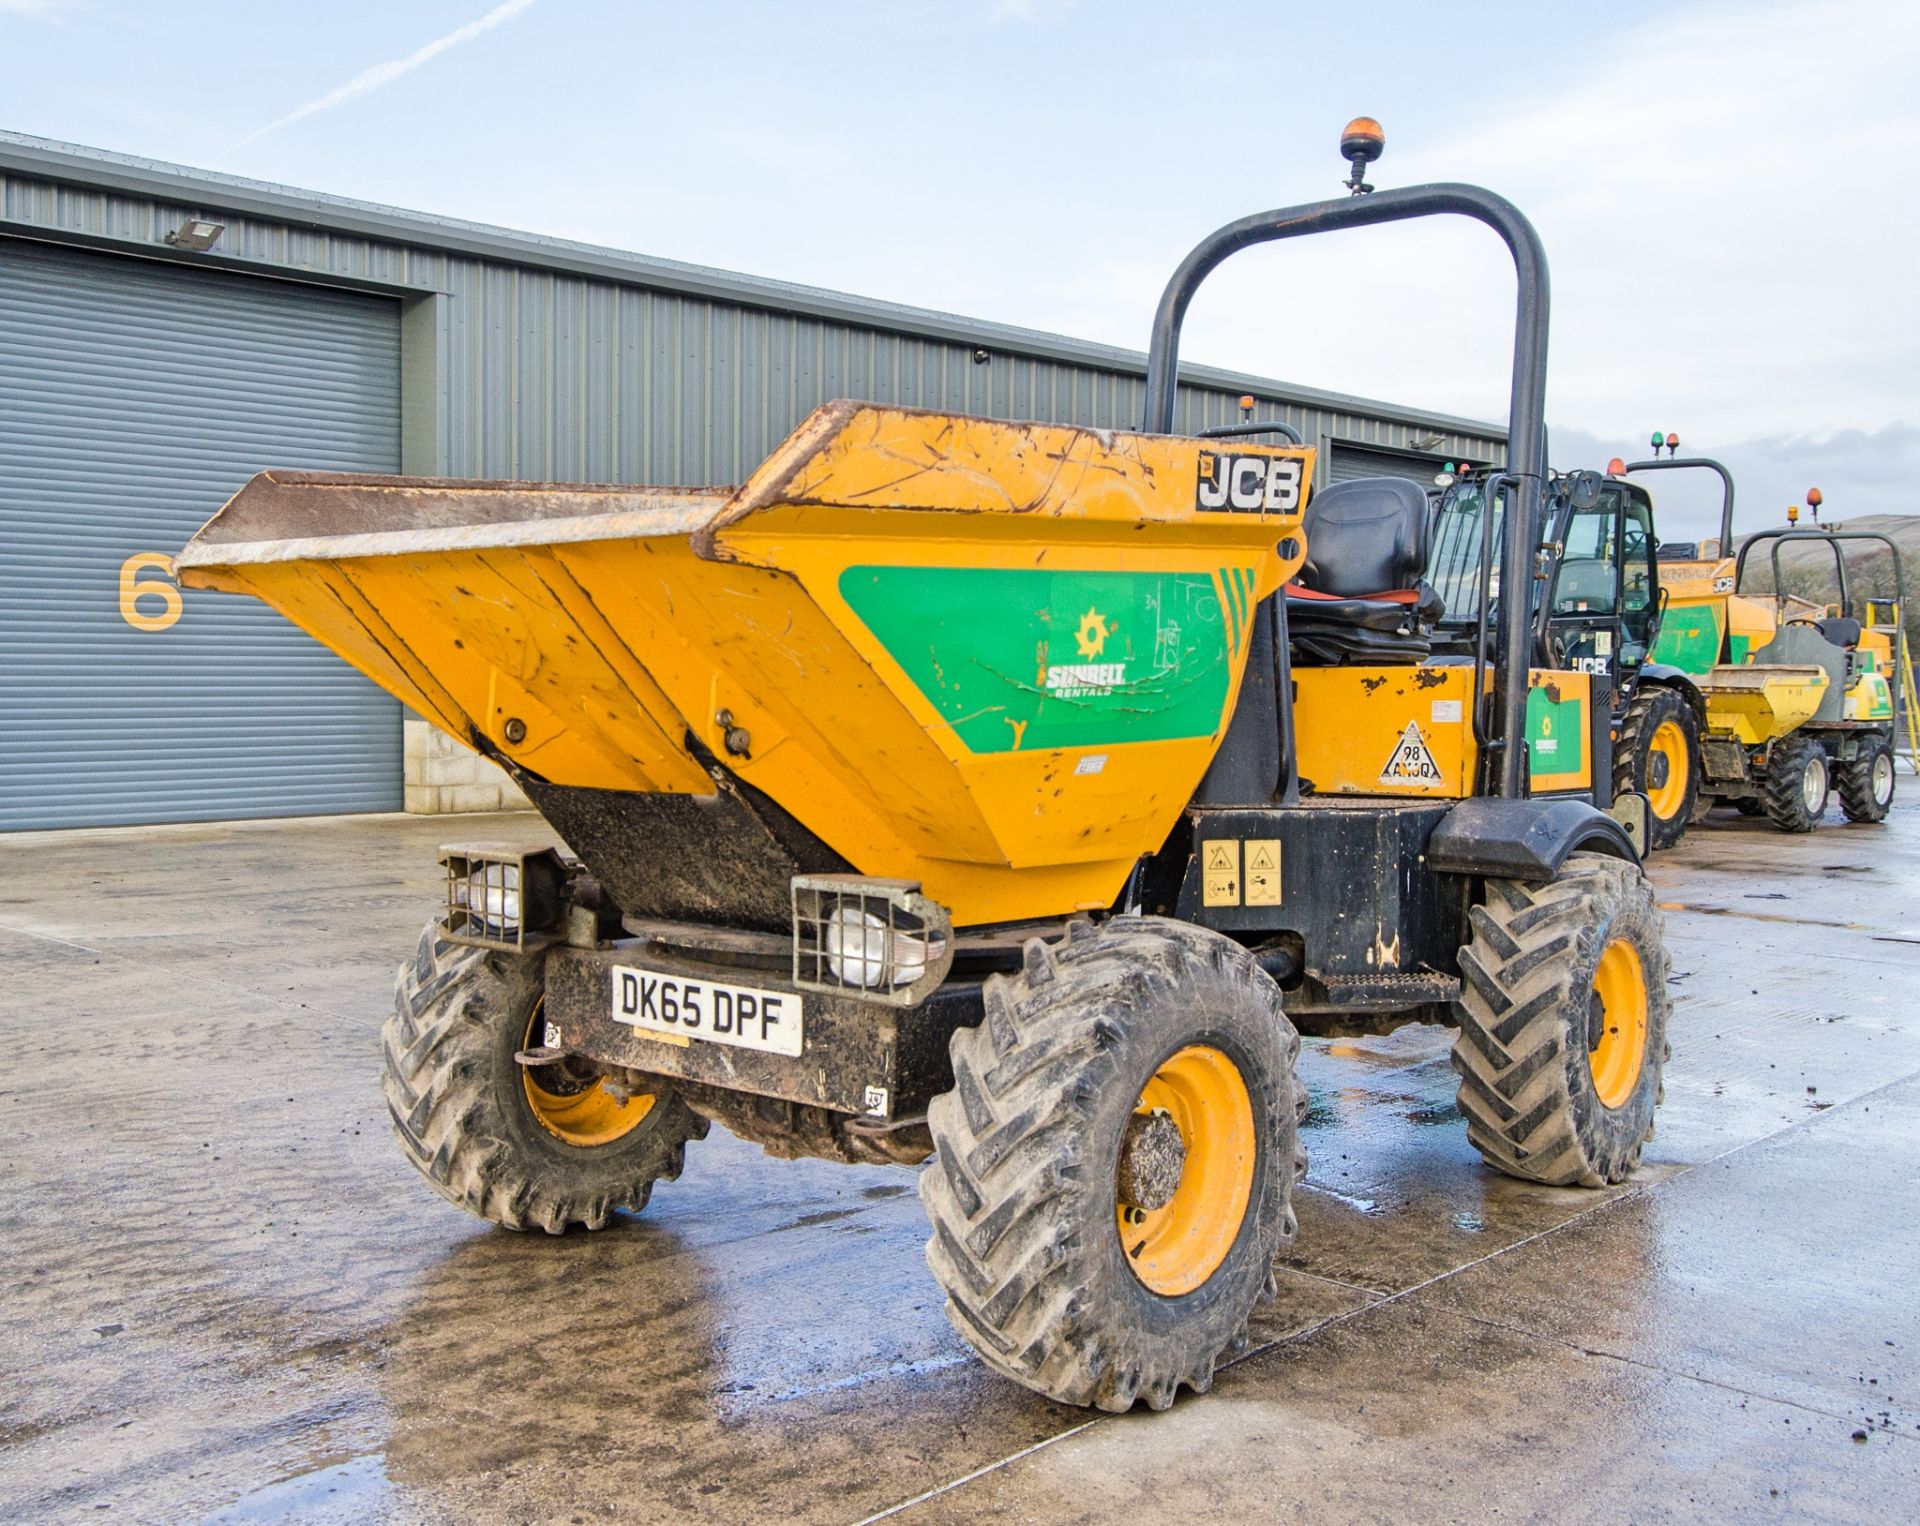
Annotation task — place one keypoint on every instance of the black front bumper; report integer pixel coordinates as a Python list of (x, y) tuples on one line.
[(856, 1057)]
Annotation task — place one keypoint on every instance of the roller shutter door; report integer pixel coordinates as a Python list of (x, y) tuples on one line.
[(135, 396), (1350, 461)]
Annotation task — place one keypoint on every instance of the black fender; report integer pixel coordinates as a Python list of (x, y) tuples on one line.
[(1678, 679), (1522, 839)]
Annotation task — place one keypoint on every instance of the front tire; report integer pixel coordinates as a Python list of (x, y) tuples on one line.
[(520, 1147), (1866, 781), (1658, 756), (1796, 786), (1147, 1060), (1563, 1023)]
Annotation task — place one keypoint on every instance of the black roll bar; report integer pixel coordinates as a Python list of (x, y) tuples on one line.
[(1234, 431), (1526, 413), (1726, 482), (1828, 537)]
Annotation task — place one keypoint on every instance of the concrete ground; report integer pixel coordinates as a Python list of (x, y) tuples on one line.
[(224, 1293)]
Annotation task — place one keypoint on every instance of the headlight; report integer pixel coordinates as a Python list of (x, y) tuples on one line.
[(493, 895), (877, 936), (499, 898), (862, 950)]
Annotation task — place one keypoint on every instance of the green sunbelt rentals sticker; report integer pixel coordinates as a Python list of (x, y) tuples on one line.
[(1556, 735), (1017, 660)]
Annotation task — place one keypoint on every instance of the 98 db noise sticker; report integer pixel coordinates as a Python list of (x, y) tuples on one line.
[(1412, 761)]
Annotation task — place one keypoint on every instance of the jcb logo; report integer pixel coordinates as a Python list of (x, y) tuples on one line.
[(1247, 484)]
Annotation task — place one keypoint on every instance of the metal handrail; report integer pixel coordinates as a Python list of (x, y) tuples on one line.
[(1491, 488)]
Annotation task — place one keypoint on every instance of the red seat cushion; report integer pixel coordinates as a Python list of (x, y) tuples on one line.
[(1387, 596)]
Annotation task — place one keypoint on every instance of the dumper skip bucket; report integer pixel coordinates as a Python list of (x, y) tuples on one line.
[(992, 658)]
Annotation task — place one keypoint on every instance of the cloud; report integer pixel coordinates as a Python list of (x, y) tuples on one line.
[(1721, 202), (382, 75), (1858, 471), (37, 7)]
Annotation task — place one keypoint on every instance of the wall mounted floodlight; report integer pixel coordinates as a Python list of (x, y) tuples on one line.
[(196, 235)]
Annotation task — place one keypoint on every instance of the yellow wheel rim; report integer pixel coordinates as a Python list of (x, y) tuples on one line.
[(1620, 984), (1176, 1248), (1669, 743), (579, 1112)]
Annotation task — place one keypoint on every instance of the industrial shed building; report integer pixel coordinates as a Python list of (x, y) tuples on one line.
[(165, 333)]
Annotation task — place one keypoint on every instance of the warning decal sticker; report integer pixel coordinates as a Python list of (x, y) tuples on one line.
[(1263, 871), (1411, 763), (1220, 871)]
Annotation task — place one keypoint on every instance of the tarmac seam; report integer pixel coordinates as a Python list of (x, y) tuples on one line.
[(1333, 1282), (979, 1472), (27, 932), (1787, 1128), (1631, 1194), (1691, 1377), (1378, 1302)]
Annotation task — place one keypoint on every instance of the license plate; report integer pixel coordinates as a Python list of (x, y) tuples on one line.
[(684, 1007)]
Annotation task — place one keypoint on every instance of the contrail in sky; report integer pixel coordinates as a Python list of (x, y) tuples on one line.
[(369, 80)]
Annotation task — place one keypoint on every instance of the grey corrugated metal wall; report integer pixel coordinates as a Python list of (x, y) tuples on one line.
[(528, 358), (1345, 462), (538, 359), (559, 378), (133, 400)]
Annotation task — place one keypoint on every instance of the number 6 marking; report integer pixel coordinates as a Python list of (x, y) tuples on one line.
[(133, 588)]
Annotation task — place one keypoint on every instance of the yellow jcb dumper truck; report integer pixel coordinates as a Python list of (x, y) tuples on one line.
[(1790, 699), (1004, 797), (1719, 695)]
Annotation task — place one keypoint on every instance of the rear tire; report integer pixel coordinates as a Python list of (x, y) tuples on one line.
[(471, 1122), (1563, 1023), (1047, 1271), (1866, 781), (1658, 756), (1796, 786)]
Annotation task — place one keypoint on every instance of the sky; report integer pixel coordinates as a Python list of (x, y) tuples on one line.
[(1723, 189)]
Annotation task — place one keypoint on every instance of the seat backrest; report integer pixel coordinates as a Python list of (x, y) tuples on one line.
[(1366, 536), (1841, 630)]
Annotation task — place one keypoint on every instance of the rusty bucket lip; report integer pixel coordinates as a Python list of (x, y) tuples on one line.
[(285, 516), (289, 515)]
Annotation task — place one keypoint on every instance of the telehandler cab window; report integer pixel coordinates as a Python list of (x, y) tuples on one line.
[(1453, 565), (1637, 549), (1586, 583)]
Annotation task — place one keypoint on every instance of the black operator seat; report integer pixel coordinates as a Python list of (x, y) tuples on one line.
[(1841, 630), (1361, 596)]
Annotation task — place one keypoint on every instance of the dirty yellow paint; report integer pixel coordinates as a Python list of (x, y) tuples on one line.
[(1755, 704), (613, 624), (1351, 722)]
